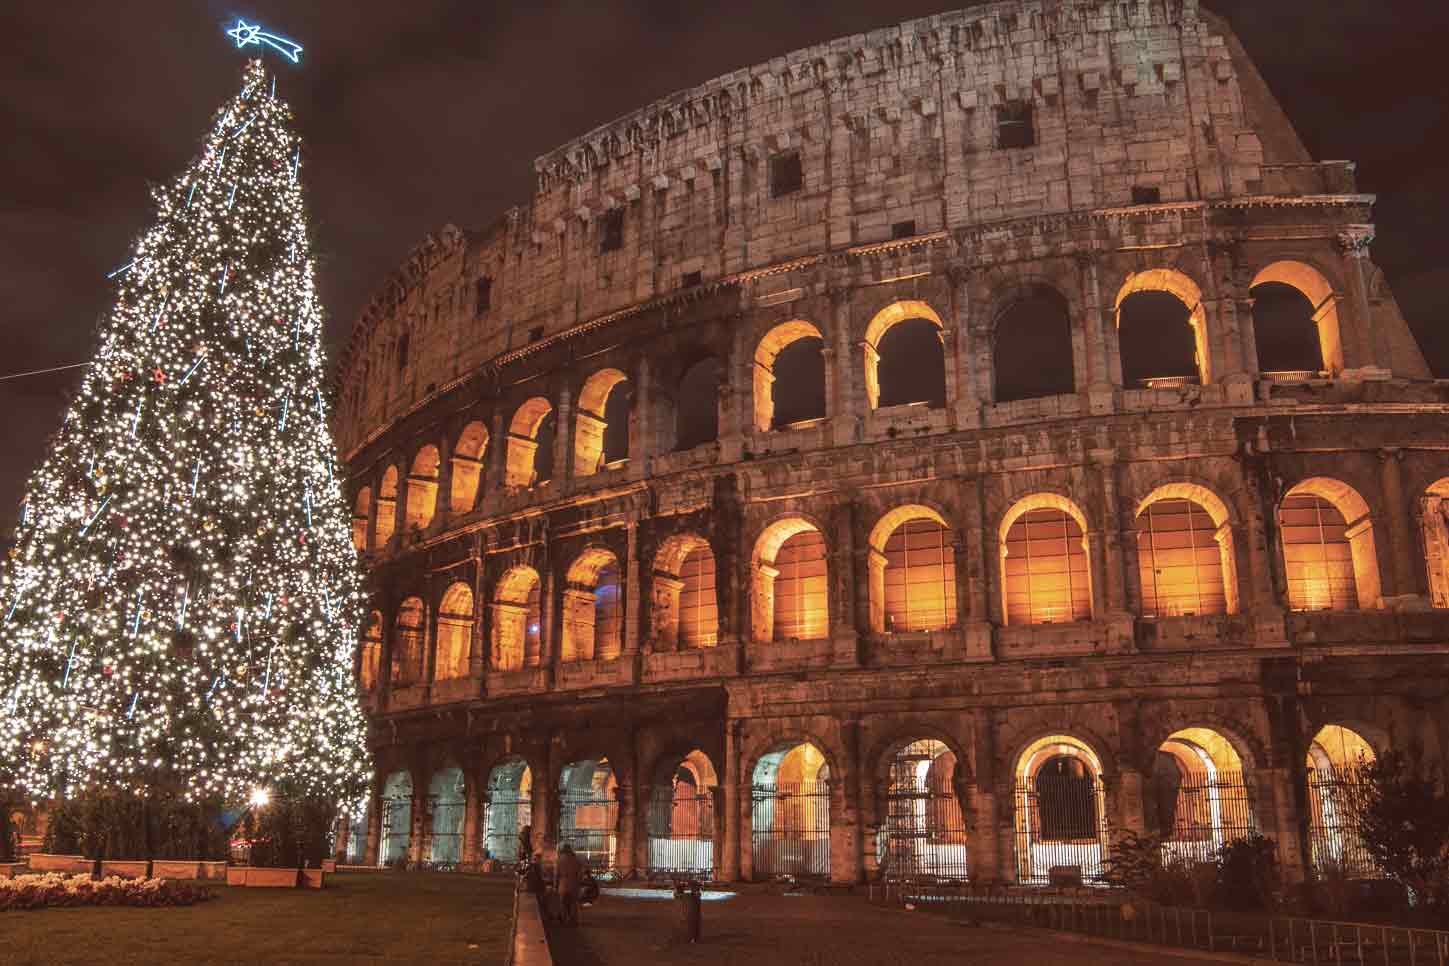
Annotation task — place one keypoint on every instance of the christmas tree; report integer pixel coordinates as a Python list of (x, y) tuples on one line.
[(181, 605)]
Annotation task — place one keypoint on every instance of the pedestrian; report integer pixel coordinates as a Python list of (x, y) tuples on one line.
[(568, 874), (525, 843)]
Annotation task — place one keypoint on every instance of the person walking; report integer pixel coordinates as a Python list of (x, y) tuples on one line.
[(568, 875)]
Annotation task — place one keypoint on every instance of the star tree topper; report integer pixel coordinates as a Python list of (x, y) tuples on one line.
[(250, 33)]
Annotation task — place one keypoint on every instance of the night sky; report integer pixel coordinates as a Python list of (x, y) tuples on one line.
[(423, 112)]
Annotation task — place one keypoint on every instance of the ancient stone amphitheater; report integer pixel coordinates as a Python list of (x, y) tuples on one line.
[(930, 453)]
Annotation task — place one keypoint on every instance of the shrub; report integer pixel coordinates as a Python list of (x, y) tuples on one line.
[(290, 833), (1401, 814), (9, 834), (1247, 874), (122, 824), (1136, 863), (39, 891)]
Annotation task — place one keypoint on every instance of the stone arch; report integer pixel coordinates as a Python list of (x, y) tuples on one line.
[(1045, 561), (397, 818), (525, 437), (912, 571), (1031, 346), (409, 642), (592, 432), (1137, 353), (455, 632), (588, 820), (789, 582), (447, 803), (791, 808), (696, 403), (1434, 528), (386, 506), (369, 668), (361, 507), (468, 461), (517, 610), (681, 823), (1179, 527), (881, 323), (508, 808), (1326, 535), (1196, 796), (777, 340), (922, 826), (1061, 808), (593, 626), (1334, 761), (684, 600), (423, 488), (1323, 304)]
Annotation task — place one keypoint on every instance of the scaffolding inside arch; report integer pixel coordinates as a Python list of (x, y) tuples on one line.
[(923, 831)]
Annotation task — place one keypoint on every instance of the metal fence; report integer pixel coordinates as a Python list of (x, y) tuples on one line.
[(505, 813), (445, 848), (397, 819), (1197, 815), (791, 824), (681, 831), (588, 821), (924, 832), (1334, 843), (1061, 828)]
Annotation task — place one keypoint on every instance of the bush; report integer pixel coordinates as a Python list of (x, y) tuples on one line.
[(290, 833), (9, 835), (1247, 874), (1401, 814), (120, 824), (39, 891), (1136, 864)]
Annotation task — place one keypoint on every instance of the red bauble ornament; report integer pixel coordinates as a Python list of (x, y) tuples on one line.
[(107, 671), (158, 375)]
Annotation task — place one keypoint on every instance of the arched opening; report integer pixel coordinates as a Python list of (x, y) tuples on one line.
[(1185, 553), (788, 598), (386, 507), (447, 803), (588, 815), (789, 376), (905, 357), (423, 488), (530, 445), (790, 808), (912, 568), (517, 620), (468, 457), (1162, 331), (370, 663), (1197, 797), (1336, 788), (696, 415), (508, 810), (1434, 523), (355, 851), (684, 604), (1031, 351), (1046, 575), (360, 510), (602, 434), (923, 831), (593, 613), (397, 819), (455, 632), (681, 824), (1061, 817), (1329, 555), (408, 645), (1295, 320)]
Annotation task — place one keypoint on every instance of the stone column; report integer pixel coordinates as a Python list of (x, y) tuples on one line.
[(374, 823), (641, 440), (842, 405), (1400, 535), (632, 596), (1104, 369), (549, 629), (418, 821), (1277, 804), (841, 582), (974, 574), (472, 812), (727, 862), (627, 793), (967, 407), (400, 504), (1113, 572), (373, 488), (762, 602), (563, 441), (845, 830), (495, 460), (443, 497), (1360, 341)]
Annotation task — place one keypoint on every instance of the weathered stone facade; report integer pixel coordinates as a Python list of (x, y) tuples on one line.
[(1154, 160)]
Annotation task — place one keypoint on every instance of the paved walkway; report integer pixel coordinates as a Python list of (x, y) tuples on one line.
[(765, 930)]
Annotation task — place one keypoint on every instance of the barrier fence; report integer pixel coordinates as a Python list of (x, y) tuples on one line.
[(791, 829)]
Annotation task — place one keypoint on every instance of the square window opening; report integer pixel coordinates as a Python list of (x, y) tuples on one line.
[(1014, 125), (787, 175), (611, 231), (1143, 195), (904, 229)]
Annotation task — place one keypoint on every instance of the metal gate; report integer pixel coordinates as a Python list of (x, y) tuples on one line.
[(504, 815), (1196, 815), (681, 831), (445, 850), (924, 832), (1333, 800), (791, 829), (397, 820), (1060, 826), (589, 822)]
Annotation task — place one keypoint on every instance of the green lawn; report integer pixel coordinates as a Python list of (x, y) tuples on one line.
[(361, 917)]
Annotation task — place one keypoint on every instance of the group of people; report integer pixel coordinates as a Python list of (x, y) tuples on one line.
[(573, 883)]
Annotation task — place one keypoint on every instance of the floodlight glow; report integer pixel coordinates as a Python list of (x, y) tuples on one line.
[(260, 797)]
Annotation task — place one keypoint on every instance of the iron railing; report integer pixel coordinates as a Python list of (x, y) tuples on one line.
[(791, 829), (1061, 828), (446, 845), (588, 821), (505, 814), (397, 820), (924, 832), (1334, 798), (1197, 815), (681, 832)]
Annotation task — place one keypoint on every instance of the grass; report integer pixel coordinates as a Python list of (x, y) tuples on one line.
[(361, 917)]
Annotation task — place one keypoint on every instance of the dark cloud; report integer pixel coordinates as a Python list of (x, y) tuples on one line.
[(430, 111)]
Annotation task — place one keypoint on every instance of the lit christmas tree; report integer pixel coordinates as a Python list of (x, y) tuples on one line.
[(181, 605)]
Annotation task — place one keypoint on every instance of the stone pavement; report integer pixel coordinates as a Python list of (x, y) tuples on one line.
[(800, 930)]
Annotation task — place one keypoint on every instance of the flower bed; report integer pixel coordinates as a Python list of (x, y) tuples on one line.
[(39, 891)]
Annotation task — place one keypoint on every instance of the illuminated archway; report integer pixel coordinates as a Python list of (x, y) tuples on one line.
[(923, 831), (595, 428), (792, 335), (455, 632), (370, 663), (386, 507), (593, 611), (1196, 798), (528, 460), (928, 384), (1329, 554), (423, 488), (507, 809), (681, 818), (360, 509), (447, 801), (408, 644), (397, 819), (1322, 305), (1141, 340), (1046, 574), (588, 818), (1060, 816), (1434, 523), (1185, 557), (790, 811), (1336, 788), (468, 456), (684, 602), (789, 583), (517, 620), (912, 570)]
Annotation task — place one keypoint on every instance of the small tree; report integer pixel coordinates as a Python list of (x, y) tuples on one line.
[(1401, 814), (1247, 873)]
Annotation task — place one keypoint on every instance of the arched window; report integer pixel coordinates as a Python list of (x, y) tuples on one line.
[(789, 376), (1328, 547), (912, 572), (423, 488), (1032, 348), (1060, 813), (370, 663), (602, 433), (1162, 330), (386, 507), (1047, 579), (697, 407), (684, 611), (1434, 519), (790, 811), (905, 357), (1295, 319), (592, 611), (455, 632), (468, 457), (1181, 560), (517, 620), (360, 510), (1196, 799), (530, 444), (788, 596), (411, 633)]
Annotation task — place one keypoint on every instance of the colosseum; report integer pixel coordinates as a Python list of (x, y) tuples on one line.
[(930, 453)]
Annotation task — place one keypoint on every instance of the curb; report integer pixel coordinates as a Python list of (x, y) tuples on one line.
[(530, 942), (1201, 955)]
